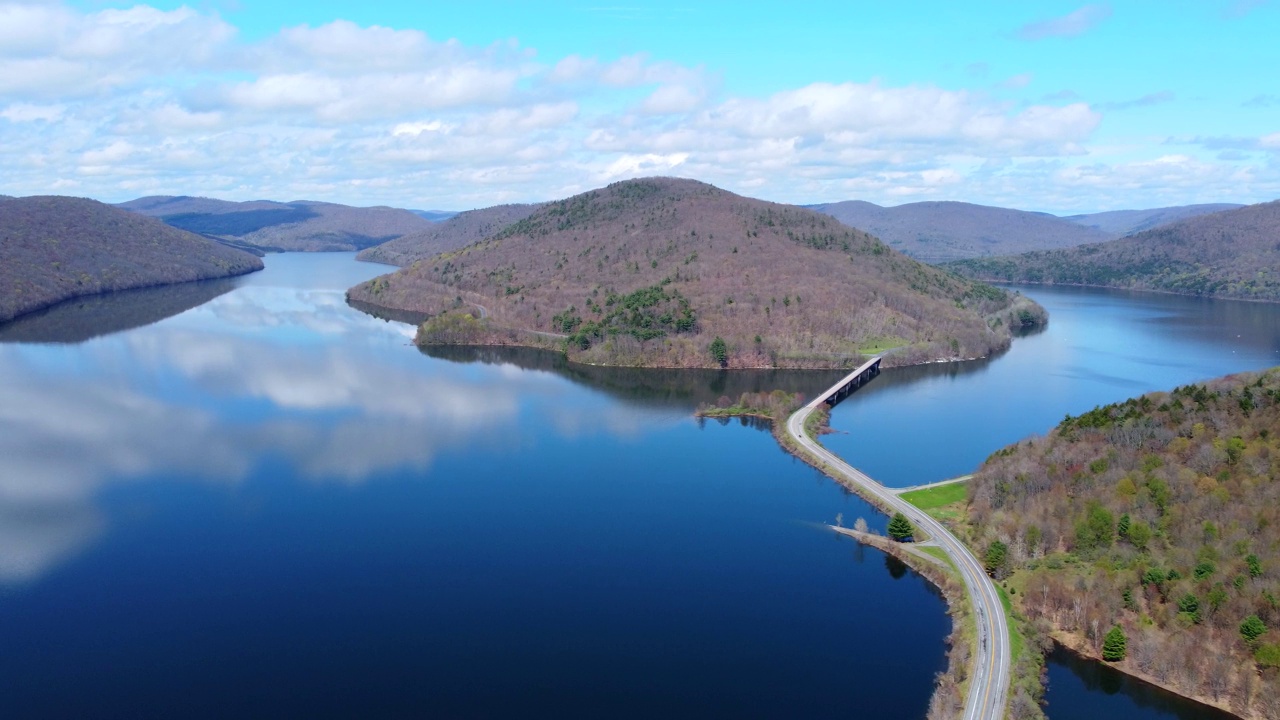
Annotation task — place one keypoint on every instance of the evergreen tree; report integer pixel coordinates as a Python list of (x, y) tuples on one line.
[(1115, 645), (1123, 528), (1252, 628), (900, 527), (719, 351), (997, 558)]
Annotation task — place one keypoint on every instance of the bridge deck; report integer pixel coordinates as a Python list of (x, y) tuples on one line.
[(838, 387)]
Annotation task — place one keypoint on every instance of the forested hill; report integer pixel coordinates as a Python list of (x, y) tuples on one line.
[(267, 225), (1159, 515), (1119, 223), (653, 271), (455, 232), (1234, 254), (55, 248), (936, 232)]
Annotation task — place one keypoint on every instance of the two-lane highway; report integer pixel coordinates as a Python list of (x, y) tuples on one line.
[(989, 680)]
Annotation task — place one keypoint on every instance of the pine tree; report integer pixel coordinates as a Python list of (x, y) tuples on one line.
[(1252, 628), (1115, 645), (997, 556), (1123, 528), (719, 351), (900, 527)]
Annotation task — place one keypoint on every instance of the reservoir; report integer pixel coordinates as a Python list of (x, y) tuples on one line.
[(249, 499)]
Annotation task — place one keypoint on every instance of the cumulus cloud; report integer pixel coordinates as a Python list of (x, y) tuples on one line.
[(121, 103), (47, 50), (1073, 24), (869, 114)]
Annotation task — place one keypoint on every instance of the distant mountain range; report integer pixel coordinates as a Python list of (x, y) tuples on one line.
[(451, 234), (1119, 223), (677, 273), (275, 226), (1234, 253), (938, 232), (434, 215), (56, 248)]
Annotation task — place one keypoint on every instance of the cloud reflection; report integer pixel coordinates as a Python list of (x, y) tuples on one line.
[(208, 396)]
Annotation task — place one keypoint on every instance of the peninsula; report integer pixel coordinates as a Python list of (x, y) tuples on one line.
[(668, 272), (56, 248)]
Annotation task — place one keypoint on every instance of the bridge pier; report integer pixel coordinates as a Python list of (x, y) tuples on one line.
[(853, 381)]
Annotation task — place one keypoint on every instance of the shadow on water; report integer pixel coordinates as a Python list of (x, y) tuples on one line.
[(407, 317), (651, 386), (1066, 669), (84, 318)]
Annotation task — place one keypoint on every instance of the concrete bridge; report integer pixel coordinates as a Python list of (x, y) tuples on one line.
[(990, 666), (850, 382)]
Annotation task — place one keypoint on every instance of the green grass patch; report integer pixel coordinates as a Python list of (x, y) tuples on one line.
[(878, 345), (1016, 641), (943, 556), (937, 497)]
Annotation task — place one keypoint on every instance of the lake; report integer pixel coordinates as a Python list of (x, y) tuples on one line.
[(246, 498)]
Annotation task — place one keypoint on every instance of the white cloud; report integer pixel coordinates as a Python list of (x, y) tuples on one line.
[(120, 103), (47, 50), (639, 165), (672, 99), (28, 112), (1074, 23)]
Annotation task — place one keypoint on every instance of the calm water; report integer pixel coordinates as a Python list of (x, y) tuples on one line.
[(272, 504)]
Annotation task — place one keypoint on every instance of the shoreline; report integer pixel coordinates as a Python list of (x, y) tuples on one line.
[(540, 341), (1073, 645), (105, 293), (991, 281)]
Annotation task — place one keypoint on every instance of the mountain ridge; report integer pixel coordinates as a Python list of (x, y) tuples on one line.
[(452, 233), (55, 248), (300, 225), (941, 231), (652, 271), (1230, 254)]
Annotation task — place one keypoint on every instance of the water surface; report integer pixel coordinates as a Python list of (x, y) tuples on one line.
[(254, 500), (271, 504)]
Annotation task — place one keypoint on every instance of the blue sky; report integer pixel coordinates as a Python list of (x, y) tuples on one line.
[(1056, 106)]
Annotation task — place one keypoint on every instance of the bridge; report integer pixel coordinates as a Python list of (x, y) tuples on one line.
[(854, 380), (992, 659)]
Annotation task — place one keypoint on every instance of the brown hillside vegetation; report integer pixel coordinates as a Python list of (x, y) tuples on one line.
[(1159, 515), (937, 232), (1119, 223), (55, 248), (1234, 254), (296, 226), (456, 232), (650, 272)]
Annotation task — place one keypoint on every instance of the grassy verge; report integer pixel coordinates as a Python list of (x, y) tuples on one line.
[(945, 502), (936, 497), (1016, 639), (881, 345)]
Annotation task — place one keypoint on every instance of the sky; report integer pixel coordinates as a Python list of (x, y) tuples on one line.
[(1062, 107)]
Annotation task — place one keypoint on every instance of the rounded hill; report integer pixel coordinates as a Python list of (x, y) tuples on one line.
[(654, 271), (56, 248)]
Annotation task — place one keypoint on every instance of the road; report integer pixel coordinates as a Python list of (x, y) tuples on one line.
[(940, 483), (989, 681)]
